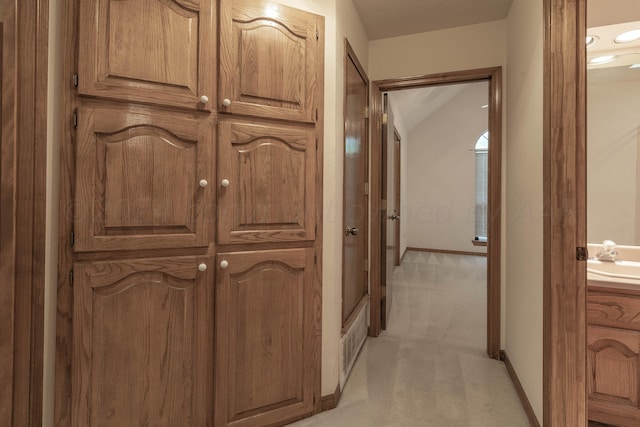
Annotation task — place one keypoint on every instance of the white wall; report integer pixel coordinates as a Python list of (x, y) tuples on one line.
[(612, 159), (524, 246), (441, 172)]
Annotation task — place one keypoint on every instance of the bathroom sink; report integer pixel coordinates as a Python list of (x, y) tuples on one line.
[(620, 269)]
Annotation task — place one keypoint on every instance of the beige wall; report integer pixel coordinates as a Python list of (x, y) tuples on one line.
[(441, 172), (524, 237), (612, 159)]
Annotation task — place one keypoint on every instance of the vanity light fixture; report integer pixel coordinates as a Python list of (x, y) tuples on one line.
[(635, 66), (628, 36), (602, 59), (591, 40)]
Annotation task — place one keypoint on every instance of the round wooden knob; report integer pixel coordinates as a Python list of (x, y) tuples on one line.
[(204, 99), (202, 267), (225, 182), (224, 263), (203, 183), (226, 102)]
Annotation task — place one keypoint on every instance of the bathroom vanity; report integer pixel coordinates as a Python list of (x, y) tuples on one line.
[(613, 350)]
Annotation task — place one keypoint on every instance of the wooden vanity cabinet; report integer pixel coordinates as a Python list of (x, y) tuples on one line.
[(613, 354)]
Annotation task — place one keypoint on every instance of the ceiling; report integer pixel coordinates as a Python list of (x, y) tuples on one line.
[(391, 18)]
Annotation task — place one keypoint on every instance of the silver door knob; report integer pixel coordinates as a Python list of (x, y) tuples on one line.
[(204, 99), (225, 182), (202, 267), (226, 102), (203, 183), (224, 263), (351, 230)]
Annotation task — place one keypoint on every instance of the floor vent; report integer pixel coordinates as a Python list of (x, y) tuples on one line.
[(351, 343)]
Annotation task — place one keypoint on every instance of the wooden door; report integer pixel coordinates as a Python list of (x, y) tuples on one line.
[(150, 51), (270, 60), (268, 333), (142, 349), (266, 178), (389, 213), (8, 88), (142, 179), (396, 194), (355, 199)]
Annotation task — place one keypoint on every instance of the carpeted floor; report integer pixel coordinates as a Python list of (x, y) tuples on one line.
[(430, 367)]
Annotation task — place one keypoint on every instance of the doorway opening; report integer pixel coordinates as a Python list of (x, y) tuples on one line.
[(379, 203)]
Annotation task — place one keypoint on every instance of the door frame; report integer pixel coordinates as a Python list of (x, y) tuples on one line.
[(24, 140), (494, 76), (564, 327)]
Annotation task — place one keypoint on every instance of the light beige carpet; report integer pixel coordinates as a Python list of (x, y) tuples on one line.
[(430, 367)]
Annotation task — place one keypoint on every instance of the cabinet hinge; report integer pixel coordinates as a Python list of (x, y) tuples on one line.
[(316, 114), (315, 259), (317, 34), (366, 112), (366, 265), (316, 144), (385, 118), (316, 229), (72, 238), (314, 398), (75, 80), (71, 278), (581, 253), (366, 188), (75, 120)]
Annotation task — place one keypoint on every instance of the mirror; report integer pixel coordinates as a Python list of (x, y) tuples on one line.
[(613, 122)]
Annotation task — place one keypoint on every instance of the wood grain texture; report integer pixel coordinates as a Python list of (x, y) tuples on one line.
[(64, 311), (389, 209), (564, 367), (265, 303), (397, 154), (148, 51), (494, 76), (142, 336), (269, 56), (137, 180), (22, 212), (271, 171), (356, 176)]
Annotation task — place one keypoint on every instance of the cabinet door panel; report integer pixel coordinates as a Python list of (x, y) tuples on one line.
[(142, 343), (271, 192), (138, 179), (151, 51), (613, 357), (267, 337), (270, 57)]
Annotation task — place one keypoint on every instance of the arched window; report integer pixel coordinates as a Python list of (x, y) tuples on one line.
[(482, 185)]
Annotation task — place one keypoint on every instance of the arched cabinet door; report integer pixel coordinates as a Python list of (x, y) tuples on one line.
[(266, 182), (142, 179), (268, 333), (270, 59), (142, 334), (150, 51)]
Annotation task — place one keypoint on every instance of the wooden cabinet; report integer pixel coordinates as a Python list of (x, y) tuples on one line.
[(268, 333), (158, 52), (142, 179), (270, 60), (613, 355), (268, 175), (156, 161), (141, 353)]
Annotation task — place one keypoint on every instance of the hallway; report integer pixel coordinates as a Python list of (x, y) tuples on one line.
[(430, 367)]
